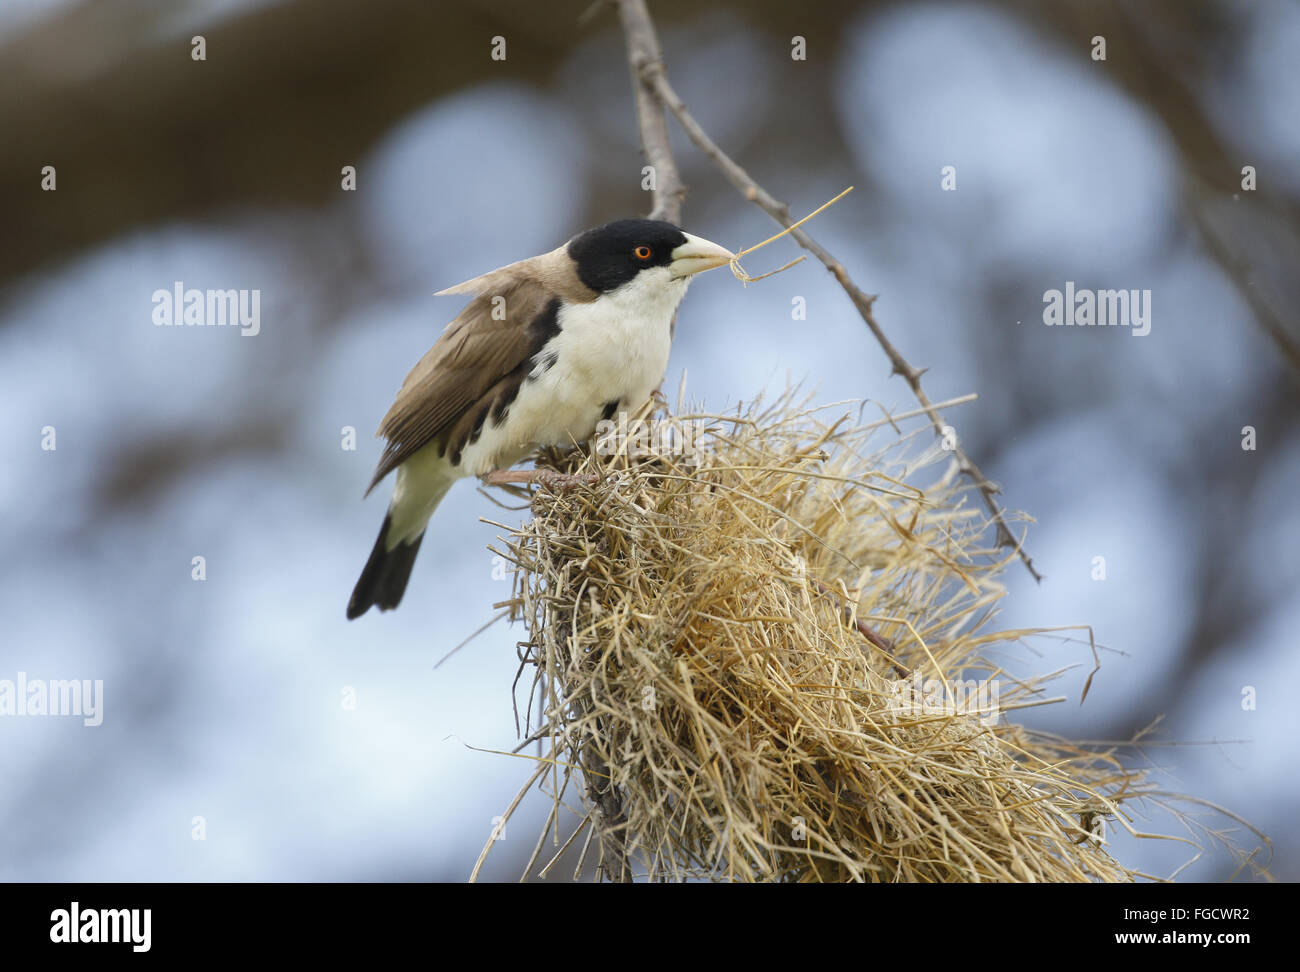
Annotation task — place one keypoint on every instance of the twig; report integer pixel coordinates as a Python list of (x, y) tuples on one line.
[(643, 50), (667, 193), (1237, 267), (604, 794), (879, 641), (647, 62)]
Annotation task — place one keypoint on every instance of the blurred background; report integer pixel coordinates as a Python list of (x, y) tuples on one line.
[(226, 699)]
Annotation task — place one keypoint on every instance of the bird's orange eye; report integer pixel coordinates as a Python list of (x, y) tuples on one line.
[(642, 252)]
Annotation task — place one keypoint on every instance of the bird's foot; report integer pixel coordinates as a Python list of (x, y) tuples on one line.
[(536, 477)]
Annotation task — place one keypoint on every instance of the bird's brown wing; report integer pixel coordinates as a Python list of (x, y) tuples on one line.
[(478, 363)]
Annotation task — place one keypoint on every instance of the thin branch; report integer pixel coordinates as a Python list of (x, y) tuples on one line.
[(603, 792), (643, 50), (877, 640), (1241, 274), (667, 192), (645, 56)]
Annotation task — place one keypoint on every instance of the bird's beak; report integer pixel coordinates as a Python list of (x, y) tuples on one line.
[(697, 255)]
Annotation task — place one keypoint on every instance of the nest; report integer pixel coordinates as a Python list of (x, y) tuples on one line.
[(761, 653)]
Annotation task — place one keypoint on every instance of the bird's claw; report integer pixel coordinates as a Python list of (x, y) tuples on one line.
[(537, 477)]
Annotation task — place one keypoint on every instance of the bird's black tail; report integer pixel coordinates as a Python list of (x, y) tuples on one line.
[(383, 581)]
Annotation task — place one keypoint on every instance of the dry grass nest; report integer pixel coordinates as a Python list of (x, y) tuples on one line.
[(760, 652)]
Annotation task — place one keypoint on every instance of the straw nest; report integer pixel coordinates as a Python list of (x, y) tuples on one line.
[(760, 652)]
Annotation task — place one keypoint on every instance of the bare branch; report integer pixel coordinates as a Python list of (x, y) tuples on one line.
[(877, 640), (640, 30), (643, 52)]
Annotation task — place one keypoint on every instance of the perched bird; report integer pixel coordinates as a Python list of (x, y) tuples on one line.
[(546, 348)]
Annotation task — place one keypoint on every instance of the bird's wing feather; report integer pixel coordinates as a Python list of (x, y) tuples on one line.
[(478, 359)]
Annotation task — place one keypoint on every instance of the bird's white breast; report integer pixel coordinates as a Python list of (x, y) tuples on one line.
[(612, 349)]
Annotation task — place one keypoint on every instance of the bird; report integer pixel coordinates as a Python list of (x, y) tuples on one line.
[(546, 348)]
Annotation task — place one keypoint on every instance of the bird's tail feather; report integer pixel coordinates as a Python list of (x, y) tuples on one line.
[(383, 580)]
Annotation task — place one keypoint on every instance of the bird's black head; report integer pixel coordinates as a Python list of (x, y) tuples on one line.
[(609, 256)]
